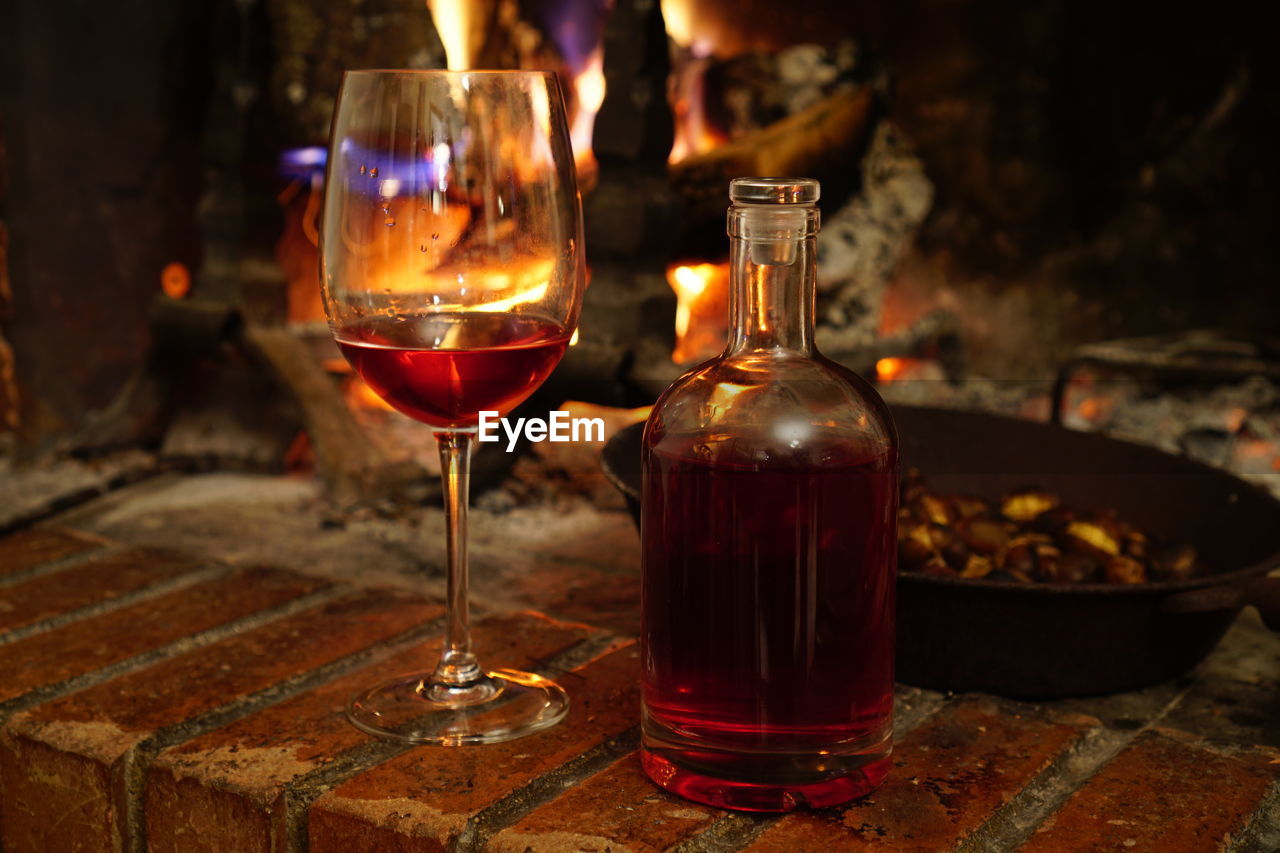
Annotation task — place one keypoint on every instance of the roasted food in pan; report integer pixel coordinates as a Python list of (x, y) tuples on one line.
[(1029, 536)]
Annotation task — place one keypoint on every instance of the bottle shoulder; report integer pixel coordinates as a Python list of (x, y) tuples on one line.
[(774, 407)]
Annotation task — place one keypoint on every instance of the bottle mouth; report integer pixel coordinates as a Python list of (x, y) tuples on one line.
[(774, 191)]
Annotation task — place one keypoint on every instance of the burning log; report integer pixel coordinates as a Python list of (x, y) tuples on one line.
[(313, 44), (862, 243), (203, 402), (816, 141), (353, 467)]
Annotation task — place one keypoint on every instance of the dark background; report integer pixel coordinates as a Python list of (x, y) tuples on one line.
[(1101, 169)]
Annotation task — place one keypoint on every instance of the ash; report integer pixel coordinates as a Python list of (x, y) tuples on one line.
[(1234, 426)]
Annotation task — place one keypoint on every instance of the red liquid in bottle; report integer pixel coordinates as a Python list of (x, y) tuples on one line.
[(444, 369), (768, 622)]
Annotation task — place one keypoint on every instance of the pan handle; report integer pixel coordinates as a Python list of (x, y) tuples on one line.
[(1263, 593)]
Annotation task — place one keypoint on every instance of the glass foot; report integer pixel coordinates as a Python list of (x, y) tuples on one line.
[(748, 796), (505, 705)]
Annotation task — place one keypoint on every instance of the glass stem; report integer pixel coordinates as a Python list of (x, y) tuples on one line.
[(458, 667)]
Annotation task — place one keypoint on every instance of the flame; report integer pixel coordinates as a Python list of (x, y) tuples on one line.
[(500, 287), (338, 366), (693, 132), (678, 16), (701, 309), (691, 59), (589, 87), (461, 26), (361, 395), (723, 395), (688, 282)]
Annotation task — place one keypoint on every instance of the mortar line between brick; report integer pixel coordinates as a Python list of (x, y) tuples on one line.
[(735, 831), (927, 704), (1261, 831), (140, 757), (70, 500), (488, 822), (301, 792), (97, 608), (1017, 820), (97, 552), (181, 646), (729, 833)]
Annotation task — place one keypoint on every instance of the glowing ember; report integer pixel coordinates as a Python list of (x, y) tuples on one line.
[(702, 321), (1235, 418), (175, 280), (902, 369), (1094, 408), (889, 369)]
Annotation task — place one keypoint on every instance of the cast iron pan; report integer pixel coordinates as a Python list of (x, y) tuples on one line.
[(1052, 640)]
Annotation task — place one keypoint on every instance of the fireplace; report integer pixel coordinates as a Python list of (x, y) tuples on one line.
[(999, 189), (1047, 226)]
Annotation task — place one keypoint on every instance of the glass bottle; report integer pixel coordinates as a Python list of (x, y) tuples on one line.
[(769, 546)]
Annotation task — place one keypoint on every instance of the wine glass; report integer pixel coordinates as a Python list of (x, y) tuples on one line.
[(452, 273)]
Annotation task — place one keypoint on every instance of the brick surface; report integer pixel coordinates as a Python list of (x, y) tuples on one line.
[(422, 800), (604, 598), (617, 809), (949, 775), (225, 790), (31, 548), (90, 644), (65, 768), (1234, 696), (1163, 794), (86, 583)]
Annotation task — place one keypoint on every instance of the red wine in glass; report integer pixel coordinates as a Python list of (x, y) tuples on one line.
[(452, 271), (768, 617), (444, 369)]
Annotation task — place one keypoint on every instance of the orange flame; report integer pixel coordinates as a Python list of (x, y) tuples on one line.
[(589, 88), (702, 294), (360, 395), (693, 132), (461, 26)]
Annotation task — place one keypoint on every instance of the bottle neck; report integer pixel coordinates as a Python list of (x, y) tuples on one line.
[(771, 287)]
